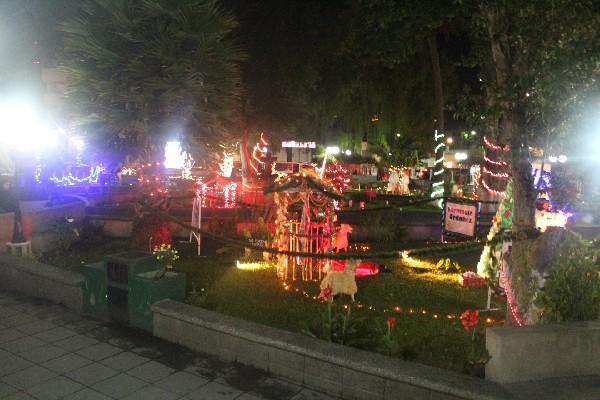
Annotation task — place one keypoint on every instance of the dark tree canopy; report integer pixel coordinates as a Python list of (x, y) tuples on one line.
[(146, 71)]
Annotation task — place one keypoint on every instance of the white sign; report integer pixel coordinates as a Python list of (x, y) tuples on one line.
[(299, 145), (460, 218)]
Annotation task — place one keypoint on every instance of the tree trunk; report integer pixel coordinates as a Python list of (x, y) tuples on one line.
[(521, 285), (437, 83)]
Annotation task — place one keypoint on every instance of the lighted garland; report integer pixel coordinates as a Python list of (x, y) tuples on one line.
[(438, 185)]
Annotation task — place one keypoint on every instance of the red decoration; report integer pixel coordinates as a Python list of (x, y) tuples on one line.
[(391, 322), (469, 319), (470, 279), (161, 235), (506, 213)]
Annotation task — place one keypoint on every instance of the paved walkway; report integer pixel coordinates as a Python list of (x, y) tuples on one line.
[(48, 352)]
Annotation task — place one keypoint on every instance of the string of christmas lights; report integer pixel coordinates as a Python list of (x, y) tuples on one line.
[(71, 180), (492, 191), (509, 299), (395, 309), (499, 175), (492, 146), (438, 186), (493, 162)]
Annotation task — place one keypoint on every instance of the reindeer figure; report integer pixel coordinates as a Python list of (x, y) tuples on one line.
[(341, 281)]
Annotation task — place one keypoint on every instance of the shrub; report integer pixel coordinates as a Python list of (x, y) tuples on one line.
[(446, 266), (571, 292)]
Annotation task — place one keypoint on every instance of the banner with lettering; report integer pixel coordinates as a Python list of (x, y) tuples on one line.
[(460, 218)]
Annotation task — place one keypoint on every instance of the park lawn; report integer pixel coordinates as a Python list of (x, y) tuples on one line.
[(426, 306)]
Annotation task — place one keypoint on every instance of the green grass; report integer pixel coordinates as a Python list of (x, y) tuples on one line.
[(259, 296)]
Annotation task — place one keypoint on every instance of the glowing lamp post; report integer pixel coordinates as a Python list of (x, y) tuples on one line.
[(328, 150)]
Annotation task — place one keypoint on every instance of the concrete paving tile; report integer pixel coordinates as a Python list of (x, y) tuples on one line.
[(209, 367), (17, 319), (20, 345), (6, 389), (91, 374), (151, 371), (7, 311), (4, 354), (53, 389), (98, 351), (181, 382), (13, 363), (87, 394), (75, 343), (152, 393), (43, 353), (243, 377), (272, 388), (124, 361), (19, 396), (250, 396), (35, 327), (307, 394), (214, 391), (66, 363), (56, 334), (10, 334), (85, 325), (29, 377), (119, 386)]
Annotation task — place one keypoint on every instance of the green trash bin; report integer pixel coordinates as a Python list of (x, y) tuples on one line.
[(145, 290), (94, 290)]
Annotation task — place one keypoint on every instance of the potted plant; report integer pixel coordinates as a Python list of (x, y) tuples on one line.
[(166, 256)]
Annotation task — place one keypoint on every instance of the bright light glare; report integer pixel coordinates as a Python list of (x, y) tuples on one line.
[(174, 155), (562, 158), (332, 150), (78, 142), (449, 140), (22, 129), (348, 152), (461, 156), (553, 159)]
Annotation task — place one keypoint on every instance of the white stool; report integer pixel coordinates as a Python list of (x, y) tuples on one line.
[(20, 249)]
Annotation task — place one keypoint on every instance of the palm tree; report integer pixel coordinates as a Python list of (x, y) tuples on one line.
[(142, 71)]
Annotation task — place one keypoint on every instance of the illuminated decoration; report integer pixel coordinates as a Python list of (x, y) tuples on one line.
[(260, 151), (461, 156), (337, 176), (395, 309), (398, 180), (499, 175), (186, 168), (230, 195), (175, 157), (493, 162), (299, 145), (475, 171), (492, 146), (499, 193), (253, 266), (128, 171), (226, 166), (488, 172), (37, 174), (438, 185), (71, 180), (510, 299)]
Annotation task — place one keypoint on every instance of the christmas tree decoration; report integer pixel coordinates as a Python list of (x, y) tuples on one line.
[(438, 185)]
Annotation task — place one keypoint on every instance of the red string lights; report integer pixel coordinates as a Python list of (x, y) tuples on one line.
[(492, 146)]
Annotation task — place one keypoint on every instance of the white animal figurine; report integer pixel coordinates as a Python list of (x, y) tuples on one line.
[(341, 281)]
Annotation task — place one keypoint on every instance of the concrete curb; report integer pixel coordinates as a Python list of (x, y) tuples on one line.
[(334, 369), (30, 277)]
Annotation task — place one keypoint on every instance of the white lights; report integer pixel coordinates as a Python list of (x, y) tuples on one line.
[(450, 140), (348, 152), (22, 129), (460, 156), (562, 158), (174, 155), (332, 150)]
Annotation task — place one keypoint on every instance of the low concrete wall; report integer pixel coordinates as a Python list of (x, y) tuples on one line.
[(543, 351), (334, 369), (7, 221), (37, 222), (30, 277)]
